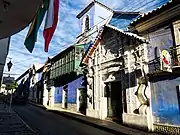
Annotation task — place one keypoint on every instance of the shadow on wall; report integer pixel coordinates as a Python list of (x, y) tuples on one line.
[(166, 101)]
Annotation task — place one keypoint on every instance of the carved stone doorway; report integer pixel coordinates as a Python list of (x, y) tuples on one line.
[(114, 100)]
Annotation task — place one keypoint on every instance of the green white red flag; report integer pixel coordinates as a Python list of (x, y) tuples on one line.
[(35, 25), (50, 22)]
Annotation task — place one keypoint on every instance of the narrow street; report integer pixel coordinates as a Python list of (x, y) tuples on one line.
[(47, 123)]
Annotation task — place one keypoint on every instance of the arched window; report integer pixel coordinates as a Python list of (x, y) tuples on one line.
[(86, 23)]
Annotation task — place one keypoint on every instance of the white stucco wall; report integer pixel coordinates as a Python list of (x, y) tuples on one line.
[(96, 15), (162, 39), (100, 13)]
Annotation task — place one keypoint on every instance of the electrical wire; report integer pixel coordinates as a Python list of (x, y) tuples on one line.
[(134, 4), (155, 5)]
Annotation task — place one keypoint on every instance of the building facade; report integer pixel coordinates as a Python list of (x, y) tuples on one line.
[(36, 83), (4, 47), (111, 64), (64, 78), (161, 27), (112, 85)]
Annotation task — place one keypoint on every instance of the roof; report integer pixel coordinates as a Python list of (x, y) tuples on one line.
[(24, 12), (21, 76), (127, 33), (38, 65), (89, 6), (155, 12), (122, 20), (92, 48), (64, 51), (53, 58)]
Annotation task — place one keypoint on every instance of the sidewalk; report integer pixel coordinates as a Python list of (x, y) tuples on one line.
[(105, 125), (11, 124)]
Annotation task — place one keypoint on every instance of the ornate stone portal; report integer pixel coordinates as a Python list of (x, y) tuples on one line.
[(90, 81)]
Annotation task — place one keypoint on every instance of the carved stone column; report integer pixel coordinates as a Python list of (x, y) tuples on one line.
[(45, 95)]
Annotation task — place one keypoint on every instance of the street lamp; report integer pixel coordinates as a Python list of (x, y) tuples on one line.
[(9, 64)]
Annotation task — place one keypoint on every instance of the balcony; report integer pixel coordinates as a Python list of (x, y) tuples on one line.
[(155, 65), (66, 64)]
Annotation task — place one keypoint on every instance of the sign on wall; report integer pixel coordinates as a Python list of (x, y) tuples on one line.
[(8, 81), (165, 61)]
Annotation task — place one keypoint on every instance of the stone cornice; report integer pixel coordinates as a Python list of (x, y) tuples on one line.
[(159, 19)]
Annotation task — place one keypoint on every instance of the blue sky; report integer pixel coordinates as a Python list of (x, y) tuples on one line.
[(67, 29)]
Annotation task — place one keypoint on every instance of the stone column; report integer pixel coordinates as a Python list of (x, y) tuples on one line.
[(63, 98), (31, 85), (149, 109), (45, 95), (52, 91), (77, 100)]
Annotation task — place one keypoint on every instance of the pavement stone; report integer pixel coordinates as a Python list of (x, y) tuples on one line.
[(11, 123)]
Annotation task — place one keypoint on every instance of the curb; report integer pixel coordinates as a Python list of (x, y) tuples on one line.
[(110, 130)]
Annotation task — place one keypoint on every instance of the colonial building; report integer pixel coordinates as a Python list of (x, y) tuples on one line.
[(63, 86), (162, 28), (114, 64)]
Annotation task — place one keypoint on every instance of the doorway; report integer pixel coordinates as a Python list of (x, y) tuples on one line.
[(65, 97), (114, 100), (82, 100)]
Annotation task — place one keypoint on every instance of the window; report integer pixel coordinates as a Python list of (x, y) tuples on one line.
[(85, 23), (60, 62), (60, 70), (179, 34), (58, 92), (178, 95), (57, 71)]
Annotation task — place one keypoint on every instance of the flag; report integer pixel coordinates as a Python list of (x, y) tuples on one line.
[(32, 33), (51, 22)]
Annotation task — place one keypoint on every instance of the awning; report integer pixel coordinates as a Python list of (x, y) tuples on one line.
[(16, 15)]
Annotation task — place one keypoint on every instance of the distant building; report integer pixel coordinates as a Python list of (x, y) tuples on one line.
[(4, 48), (36, 83)]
